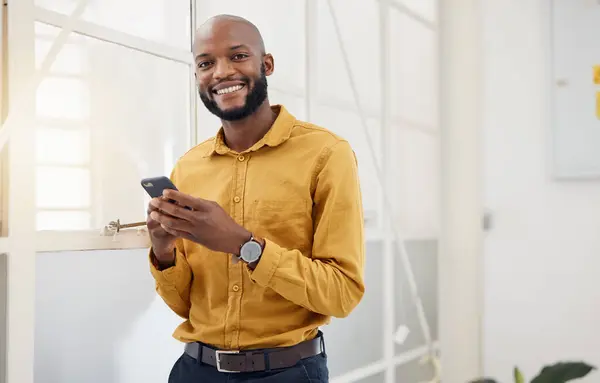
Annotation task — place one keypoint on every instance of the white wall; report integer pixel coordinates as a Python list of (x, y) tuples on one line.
[(542, 257), (98, 319)]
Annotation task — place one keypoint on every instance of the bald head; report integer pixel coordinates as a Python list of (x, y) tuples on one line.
[(234, 26)]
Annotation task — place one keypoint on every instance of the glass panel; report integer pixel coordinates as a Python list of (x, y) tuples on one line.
[(416, 182), (62, 146), (62, 187), (425, 8), (423, 259), (284, 36), (295, 105), (415, 371), (122, 348), (71, 59), (379, 378), (63, 97), (125, 116), (361, 328), (64, 220), (414, 75), (164, 21), (208, 123), (362, 46), (348, 125)]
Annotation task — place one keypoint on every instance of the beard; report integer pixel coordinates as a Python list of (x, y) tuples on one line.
[(254, 99)]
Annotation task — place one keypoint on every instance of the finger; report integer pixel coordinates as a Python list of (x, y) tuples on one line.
[(150, 223), (171, 209), (173, 223), (178, 233), (173, 232), (187, 200), (151, 208)]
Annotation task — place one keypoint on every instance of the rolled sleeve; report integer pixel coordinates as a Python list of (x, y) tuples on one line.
[(269, 261)]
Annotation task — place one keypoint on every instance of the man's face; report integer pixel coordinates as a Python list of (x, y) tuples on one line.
[(231, 70)]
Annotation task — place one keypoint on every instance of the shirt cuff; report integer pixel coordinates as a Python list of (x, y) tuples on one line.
[(268, 263), (171, 275)]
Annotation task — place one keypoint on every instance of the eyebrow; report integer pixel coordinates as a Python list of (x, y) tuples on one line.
[(238, 47), (232, 48)]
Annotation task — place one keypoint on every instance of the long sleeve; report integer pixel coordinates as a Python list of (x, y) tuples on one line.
[(173, 284), (331, 282)]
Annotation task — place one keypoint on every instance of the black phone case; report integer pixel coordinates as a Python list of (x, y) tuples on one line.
[(156, 185)]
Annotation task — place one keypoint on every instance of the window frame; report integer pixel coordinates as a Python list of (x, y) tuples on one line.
[(99, 238)]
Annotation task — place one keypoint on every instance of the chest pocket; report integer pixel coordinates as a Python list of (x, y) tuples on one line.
[(286, 222)]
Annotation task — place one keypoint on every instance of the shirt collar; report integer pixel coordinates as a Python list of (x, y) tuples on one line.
[(278, 134)]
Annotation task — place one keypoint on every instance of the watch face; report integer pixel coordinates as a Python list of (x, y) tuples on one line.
[(250, 252)]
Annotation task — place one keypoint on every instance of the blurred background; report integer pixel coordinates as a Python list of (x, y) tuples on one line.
[(476, 125)]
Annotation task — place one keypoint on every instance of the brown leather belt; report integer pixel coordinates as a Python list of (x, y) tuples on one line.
[(255, 360)]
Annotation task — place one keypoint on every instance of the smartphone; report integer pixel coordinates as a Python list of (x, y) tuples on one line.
[(155, 186)]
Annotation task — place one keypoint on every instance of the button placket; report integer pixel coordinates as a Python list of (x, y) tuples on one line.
[(236, 270)]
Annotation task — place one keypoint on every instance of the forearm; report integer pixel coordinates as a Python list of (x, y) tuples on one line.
[(332, 286)]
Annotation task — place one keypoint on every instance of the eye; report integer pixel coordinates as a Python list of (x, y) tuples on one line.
[(239, 56), (203, 64)]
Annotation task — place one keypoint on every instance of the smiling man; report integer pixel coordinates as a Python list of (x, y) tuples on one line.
[(271, 245)]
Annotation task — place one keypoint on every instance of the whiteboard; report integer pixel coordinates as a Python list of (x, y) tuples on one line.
[(575, 28)]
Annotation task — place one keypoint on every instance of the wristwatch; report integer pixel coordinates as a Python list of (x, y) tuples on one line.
[(251, 251)]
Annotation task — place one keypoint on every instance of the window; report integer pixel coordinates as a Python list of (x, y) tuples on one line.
[(163, 21), (117, 105), (106, 116)]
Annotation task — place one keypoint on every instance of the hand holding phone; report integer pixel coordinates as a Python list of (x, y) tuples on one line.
[(163, 243), (207, 223)]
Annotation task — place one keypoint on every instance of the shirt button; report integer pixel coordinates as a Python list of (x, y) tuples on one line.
[(236, 199), (241, 158), (236, 288)]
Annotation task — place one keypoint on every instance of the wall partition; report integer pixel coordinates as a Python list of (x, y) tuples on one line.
[(102, 93)]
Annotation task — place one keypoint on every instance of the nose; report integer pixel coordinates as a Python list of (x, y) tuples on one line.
[(223, 69)]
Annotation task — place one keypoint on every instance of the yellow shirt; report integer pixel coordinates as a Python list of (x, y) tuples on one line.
[(298, 189)]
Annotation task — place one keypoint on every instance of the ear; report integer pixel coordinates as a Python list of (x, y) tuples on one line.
[(269, 64)]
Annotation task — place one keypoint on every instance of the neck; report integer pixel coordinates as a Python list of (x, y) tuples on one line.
[(240, 135)]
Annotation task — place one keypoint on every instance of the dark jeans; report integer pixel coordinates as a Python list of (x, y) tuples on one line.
[(309, 370)]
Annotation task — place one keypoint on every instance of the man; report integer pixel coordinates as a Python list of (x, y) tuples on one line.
[(263, 242)]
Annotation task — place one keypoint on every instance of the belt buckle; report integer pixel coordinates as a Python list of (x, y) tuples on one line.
[(218, 354)]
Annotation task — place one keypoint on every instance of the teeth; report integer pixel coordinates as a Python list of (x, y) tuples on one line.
[(230, 89)]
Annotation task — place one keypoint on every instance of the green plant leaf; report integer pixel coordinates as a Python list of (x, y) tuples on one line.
[(518, 376), (563, 372), (484, 380)]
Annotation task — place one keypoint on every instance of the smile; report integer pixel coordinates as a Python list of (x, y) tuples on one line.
[(228, 90)]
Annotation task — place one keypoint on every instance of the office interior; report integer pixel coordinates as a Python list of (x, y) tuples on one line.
[(475, 125)]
